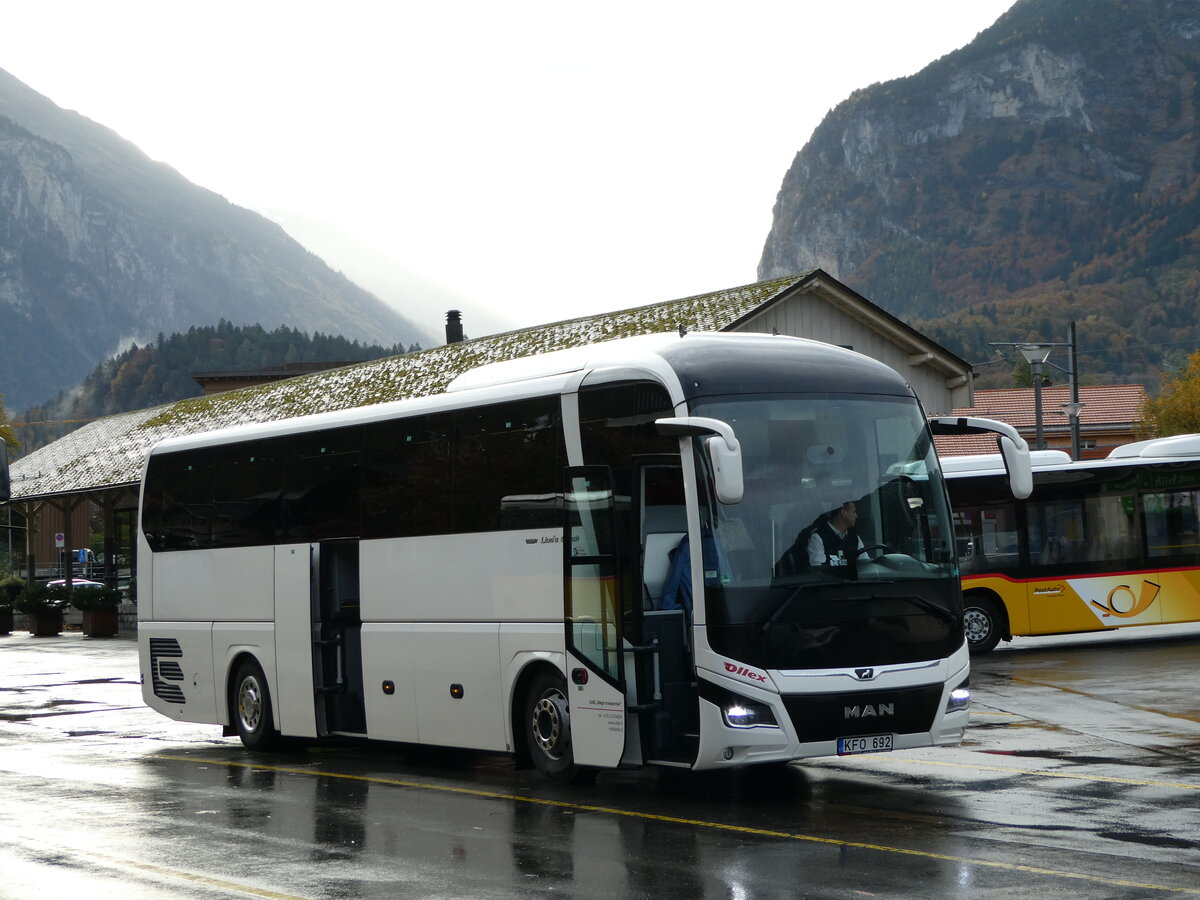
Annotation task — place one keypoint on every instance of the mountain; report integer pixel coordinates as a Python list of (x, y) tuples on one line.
[(1047, 172), (161, 372), (100, 246)]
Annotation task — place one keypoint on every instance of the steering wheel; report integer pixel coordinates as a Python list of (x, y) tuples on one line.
[(884, 547)]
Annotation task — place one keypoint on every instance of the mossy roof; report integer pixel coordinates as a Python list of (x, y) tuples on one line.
[(110, 452)]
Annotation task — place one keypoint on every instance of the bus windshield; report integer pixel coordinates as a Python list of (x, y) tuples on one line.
[(844, 524)]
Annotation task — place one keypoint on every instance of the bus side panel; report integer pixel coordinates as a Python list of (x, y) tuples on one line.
[(1093, 602), (145, 577), (388, 661), (457, 685), (231, 585), (1013, 593), (1179, 595), (521, 645), (295, 704), (229, 642), (498, 576), (175, 659)]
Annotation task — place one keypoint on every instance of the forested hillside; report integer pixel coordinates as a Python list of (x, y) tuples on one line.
[(1048, 172), (100, 245), (161, 372)]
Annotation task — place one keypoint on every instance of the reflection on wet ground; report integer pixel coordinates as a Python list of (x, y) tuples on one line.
[(1077, 779)]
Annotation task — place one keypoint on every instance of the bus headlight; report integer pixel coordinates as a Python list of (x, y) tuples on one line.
[(960, 698), (738, 711), (743, 714)]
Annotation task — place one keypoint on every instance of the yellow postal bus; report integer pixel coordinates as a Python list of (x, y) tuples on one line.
[(1099, 544)]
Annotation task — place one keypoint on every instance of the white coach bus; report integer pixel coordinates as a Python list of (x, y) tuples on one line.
[(591, 558)]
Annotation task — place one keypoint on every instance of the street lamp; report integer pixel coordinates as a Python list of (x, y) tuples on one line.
[(1036, 355), (1072, 411)]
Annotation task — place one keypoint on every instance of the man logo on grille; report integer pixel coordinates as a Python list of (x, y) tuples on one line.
[(868, 710), (864, 674)]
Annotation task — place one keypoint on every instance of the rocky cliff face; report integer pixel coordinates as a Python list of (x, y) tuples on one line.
[(100, 245), (1056, 152)]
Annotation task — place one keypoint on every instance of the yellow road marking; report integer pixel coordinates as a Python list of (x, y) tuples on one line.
[(674, 820), (995, 712), (180, 875)]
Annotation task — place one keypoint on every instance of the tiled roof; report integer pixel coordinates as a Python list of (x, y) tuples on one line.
[(1116, 405), (1102, 405), (111, 451)]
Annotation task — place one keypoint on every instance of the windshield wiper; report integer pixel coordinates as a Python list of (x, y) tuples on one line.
[(936, 609), (826, 582)]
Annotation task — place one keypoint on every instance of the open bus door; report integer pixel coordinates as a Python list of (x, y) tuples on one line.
[(666, 677), (594, 598)]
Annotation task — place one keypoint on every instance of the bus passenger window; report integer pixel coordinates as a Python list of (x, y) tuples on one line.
[(1172, 529), (987, 537)]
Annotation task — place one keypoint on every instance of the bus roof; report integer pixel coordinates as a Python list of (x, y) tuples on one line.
[(982, 463), (1160, 448), (1178, 447), (675, 358)]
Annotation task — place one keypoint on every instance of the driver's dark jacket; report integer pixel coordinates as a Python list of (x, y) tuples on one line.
[(840, 550)]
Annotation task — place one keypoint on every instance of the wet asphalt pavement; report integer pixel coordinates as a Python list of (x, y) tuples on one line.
[(1080, 777)]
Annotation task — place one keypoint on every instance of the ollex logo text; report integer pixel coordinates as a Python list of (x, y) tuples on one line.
[(744, 672)]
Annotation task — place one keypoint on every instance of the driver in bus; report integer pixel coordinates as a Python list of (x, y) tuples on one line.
[(831, 542), (834, 542)]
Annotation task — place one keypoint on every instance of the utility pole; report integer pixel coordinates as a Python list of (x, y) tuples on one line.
[(1038, 355), (1074, 408)]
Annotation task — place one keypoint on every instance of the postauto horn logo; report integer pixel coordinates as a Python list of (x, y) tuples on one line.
[(1124, 604)]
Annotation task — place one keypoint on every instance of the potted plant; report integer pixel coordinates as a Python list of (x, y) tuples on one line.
[(10, 586), (43, 604), (99, 606)]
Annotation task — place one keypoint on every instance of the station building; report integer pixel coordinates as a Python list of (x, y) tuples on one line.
[(86, 483)]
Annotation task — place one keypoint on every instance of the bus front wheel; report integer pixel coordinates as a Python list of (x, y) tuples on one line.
[(983, 622), (250, 707), (548, 727)]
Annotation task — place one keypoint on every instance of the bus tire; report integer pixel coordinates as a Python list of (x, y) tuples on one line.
[(547, 725), (983, 621), (250, 707)]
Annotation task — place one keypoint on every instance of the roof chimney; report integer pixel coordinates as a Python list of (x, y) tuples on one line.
[(454, 331)]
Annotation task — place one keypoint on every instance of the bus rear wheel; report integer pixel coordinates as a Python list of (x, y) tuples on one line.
[(250, 708), (983, 622), (547, 718)]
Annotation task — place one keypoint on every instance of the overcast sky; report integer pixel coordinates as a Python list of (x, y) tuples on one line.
[(523, 161)]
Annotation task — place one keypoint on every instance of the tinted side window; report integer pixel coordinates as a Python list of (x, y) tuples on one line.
[(617, 423), (324, 485), (1083, 527), (507, 459), (247, 493), (406, 480), (1173, 526), (987, 531), (179, 503)]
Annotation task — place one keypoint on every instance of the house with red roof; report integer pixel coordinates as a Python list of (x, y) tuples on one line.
[(1108, 417)]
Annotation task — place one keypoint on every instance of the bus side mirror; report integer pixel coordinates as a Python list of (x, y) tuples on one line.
[(1013, 448), (1016, 463), (724, 451)]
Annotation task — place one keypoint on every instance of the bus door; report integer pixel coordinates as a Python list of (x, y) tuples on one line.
[(337, 639), (594, 602), (667, 693)]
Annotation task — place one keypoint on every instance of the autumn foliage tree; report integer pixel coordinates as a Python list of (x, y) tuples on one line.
[(1176, 410), (7, 435)]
